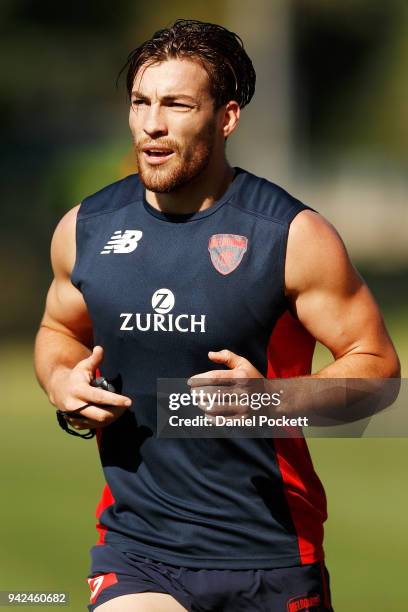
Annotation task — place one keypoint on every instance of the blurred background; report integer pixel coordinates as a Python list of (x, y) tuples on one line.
[(329, 122)]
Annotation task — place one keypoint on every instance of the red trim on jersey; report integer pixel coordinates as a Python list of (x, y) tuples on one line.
[(106, 500), (290, 353), (290, 349), (304, 494)]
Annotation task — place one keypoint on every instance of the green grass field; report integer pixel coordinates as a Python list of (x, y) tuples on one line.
[(51, 483)]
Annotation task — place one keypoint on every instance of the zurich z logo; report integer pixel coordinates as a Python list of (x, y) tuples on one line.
[(122, 242)]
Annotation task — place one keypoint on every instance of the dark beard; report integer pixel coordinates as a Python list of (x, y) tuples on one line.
[(158, 182), (186, 170)]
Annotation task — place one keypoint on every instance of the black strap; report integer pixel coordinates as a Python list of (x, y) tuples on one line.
[(62, 415), (61, 418)]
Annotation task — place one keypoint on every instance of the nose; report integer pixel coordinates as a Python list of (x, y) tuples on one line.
[(154, 124)]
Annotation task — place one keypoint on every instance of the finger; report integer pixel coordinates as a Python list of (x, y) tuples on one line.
[(223, 388), (88, 424), (79, 423), (230, 359), (93, 361), (213, 377), (96, 417), (93, 395), (223, 410)]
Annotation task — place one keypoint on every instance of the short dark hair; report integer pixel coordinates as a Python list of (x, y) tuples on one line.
[(221, 53)]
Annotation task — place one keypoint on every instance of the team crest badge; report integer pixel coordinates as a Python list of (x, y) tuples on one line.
[(99, 583), (227, 251)]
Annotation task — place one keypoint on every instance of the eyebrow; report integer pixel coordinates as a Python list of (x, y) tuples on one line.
[(169, 98)]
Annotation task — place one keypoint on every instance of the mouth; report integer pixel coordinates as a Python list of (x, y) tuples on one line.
[(157, 155)]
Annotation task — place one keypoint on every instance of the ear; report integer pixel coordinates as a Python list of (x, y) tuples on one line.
[(230, 117)]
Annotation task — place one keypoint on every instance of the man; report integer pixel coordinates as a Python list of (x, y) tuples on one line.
[(194, 266)]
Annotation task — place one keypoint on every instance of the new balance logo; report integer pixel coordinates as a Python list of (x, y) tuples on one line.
[(122, 242)]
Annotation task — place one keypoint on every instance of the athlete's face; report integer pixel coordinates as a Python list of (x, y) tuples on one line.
[(175, 129)]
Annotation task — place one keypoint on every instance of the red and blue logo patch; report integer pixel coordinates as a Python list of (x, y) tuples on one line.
[(226, 251)]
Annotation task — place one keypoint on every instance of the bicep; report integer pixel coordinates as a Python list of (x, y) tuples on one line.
[(65, 309), (328, 295)]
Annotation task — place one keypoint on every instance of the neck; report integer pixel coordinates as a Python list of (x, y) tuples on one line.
[(199, 194)]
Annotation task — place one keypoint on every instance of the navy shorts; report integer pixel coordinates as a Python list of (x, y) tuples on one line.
[(289, 589)]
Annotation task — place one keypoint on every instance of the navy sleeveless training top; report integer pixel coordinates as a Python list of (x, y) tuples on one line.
[(162, 290)]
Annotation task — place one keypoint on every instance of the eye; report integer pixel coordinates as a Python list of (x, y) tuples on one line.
[(179, 105), (138, 102)]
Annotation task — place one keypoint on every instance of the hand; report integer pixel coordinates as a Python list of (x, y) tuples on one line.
[(235, 380), (71, 389)]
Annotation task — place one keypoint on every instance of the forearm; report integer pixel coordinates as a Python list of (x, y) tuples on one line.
[(362, 365), (333, 401), (353, 387), (55, 352), (350, 391)]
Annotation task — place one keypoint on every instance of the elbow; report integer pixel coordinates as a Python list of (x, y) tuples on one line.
[(391, 365), (397, 370)]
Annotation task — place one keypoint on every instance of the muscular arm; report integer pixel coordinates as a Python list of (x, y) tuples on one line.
[(64, 361), (333, 303), (336, 307), (65, 333)]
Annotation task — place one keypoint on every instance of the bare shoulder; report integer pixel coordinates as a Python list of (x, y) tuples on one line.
[(310, 232), (316, 254), (63, 244), (309, 221)]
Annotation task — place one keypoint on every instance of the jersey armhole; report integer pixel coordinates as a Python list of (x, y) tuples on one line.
[(75, 276), (286, 305)]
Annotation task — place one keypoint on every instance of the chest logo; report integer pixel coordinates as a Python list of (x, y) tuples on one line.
[(163, 301), (162, 320), (122, 242), (226, 251)]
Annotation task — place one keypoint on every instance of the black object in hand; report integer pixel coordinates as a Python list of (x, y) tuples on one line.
[(101, 383), (104, 384)]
